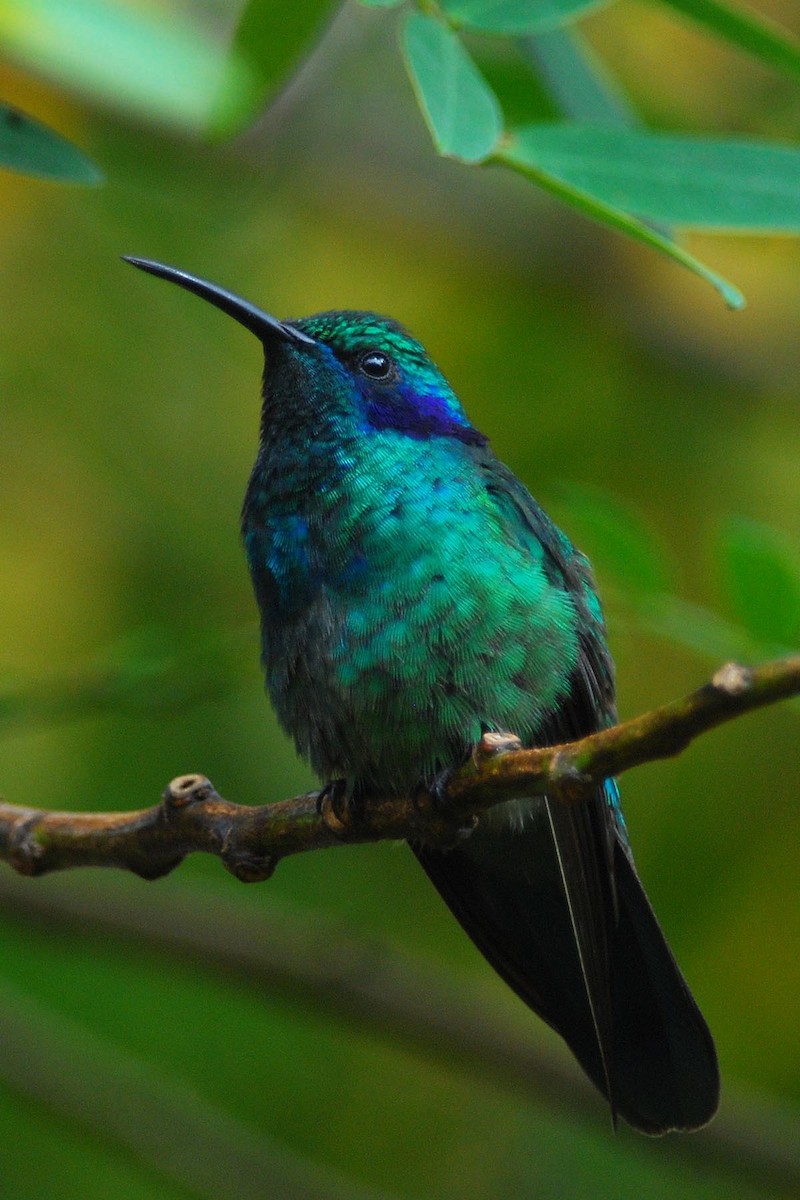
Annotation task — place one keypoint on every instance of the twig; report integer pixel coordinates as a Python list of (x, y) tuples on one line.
[(250, 841)]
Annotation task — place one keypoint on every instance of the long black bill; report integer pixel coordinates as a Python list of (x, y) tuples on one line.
[(265, 327)]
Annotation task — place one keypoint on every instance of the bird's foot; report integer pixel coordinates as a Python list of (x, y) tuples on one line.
[(437, 795), (338, 806), (493, 743), (440, 825), (437, 803)]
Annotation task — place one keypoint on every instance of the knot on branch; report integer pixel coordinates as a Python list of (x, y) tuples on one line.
[(733, 679), (188, 789), (493, 744), (225, 826), (25, 851), (246, 865)]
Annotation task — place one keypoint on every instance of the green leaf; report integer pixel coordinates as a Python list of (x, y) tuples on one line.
[(33, 149), (138, 60), (516, 16), (761, 575), (580, 84), (746, 29), (380, 3), (522, 97), (515, 153), (619, 541), (705, 183), (461, 110), (270, 40), (694, 627)]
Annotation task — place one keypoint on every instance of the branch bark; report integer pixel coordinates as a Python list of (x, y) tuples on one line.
[(250, 841)]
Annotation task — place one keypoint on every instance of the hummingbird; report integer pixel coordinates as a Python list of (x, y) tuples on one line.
[(413, 597)]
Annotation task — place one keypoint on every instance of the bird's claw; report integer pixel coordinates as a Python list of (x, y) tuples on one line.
[(440, 826), (338, 807), (437, 792)]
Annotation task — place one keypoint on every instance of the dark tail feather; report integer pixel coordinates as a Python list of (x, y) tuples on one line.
[(642, 1040), (581, 840)]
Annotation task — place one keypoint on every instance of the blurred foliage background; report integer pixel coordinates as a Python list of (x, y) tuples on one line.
[(660, 428)]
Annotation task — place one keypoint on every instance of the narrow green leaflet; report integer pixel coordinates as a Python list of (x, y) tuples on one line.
[(31, 148), (629, 555), (579, 83), (270, 40), (515, 153), (705, 183), (697, 628), (761, 576), (746, 29), (380, 3), (141, 61), (617, 538), (516, 16), (461, 110)]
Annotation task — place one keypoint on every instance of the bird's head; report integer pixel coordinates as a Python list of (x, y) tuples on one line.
[(358, 364)]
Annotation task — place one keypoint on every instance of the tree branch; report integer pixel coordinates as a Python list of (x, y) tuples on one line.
[(250, 841)]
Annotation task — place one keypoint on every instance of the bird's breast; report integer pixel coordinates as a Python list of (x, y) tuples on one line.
[(401, 618)]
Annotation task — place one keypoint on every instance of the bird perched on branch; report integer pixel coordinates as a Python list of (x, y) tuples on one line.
[(414, 596)]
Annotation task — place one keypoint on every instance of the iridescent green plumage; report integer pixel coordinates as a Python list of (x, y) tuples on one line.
[(420, 582), (414, 595)]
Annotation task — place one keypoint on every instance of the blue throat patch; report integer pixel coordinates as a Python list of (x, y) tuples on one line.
[(419, 415)]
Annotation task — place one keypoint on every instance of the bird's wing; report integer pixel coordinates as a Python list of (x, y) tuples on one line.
[(583, 834), (556, 906)]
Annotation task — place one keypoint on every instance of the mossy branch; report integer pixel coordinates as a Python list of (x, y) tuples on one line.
[(250, 841)]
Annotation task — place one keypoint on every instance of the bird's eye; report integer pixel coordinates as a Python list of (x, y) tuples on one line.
[(377, 365)]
